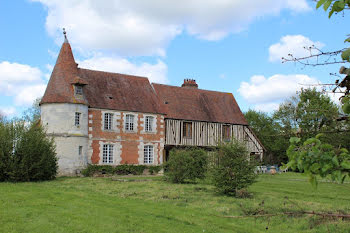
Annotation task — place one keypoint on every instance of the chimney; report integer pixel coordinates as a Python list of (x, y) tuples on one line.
[(190, 83)]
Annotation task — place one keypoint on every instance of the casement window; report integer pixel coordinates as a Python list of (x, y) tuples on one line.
[(187, 130), (226, 132), (149, 123), (107, 156), (108, 118), (78, 90), (77, 119), (148, 155), (129, 122)]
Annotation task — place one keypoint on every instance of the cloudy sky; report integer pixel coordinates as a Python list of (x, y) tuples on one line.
[(226, 45)]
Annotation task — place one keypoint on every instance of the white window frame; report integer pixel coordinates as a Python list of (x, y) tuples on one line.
[(129, 122), (108, 121), (148, 154), (107, 154), (77, 119), (149, 121)]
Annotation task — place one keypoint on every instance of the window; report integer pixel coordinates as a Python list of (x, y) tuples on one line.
[(80, 150), (107, 153), (226, 132), (77, 119), (148, 155), (187, 130), (149, 123), (78, 90), (129, 122), (108, 117)]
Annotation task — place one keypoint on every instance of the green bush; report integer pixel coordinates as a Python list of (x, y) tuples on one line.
[(233, 171), (124, 169), (26, 154), (186, 165)]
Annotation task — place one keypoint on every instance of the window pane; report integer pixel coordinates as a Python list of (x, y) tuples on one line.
[(108, 121), (148, 155), (129, 122), (148, 123), (78, 90)]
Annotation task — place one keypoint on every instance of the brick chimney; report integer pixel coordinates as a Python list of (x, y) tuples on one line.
[(190, 83)]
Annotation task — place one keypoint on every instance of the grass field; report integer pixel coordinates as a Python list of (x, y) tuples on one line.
[(103, 205)]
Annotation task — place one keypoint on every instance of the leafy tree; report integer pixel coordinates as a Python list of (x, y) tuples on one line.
[(268, 132), (315, 157), (234, 170), (33, 113), (26, 153)]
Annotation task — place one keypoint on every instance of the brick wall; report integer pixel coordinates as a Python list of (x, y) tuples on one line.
[(128, 145)]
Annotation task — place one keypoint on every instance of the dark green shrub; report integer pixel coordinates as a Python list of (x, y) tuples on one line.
[(233, 171), (154, 169), (26, 154), (186, 165)]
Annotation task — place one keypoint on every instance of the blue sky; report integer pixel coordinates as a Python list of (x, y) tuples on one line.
[(226, 45)]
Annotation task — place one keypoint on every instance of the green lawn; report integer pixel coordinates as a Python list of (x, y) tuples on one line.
[(103, 205)]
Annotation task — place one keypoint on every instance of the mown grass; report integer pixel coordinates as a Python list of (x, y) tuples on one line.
[(103, 205)]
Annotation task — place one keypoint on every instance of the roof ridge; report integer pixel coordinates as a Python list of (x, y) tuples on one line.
[(192, 89), (108, 72)]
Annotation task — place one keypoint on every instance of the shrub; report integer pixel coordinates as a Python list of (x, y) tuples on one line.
[(234, 171), (124, 169), (26, 154), (186, 165)]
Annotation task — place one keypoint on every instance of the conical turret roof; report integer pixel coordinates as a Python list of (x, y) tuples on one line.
[(65, 73)]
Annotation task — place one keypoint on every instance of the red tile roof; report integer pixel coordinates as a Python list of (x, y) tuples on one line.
[(199, 105), (119, 91), (132, 93)]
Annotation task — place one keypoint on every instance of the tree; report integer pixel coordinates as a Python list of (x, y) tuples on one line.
[(234, 170), (313, 156), (269, 133), (26, 153)]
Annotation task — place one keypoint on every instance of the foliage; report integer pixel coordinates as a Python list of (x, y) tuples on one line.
[(26, 154), (124, 169), (234, 171), (186, 165), (32, 114), (268, 132), (314, 157)]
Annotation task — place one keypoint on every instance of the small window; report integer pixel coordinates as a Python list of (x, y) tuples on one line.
[(78, 90), (148, 155), (107, 156), (129, 122), (80, 150), (77, 119), (187, 130), (226, 132), (149, 123), (108, 117)]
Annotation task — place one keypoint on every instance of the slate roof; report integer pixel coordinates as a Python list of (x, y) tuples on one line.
[(199, 105)]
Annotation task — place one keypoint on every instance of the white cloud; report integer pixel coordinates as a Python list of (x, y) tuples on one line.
[(137, 27), (267, 93), (7, 111), (23, 82), (156, 73), (292, 44)]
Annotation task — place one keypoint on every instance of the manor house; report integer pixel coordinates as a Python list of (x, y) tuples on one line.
[(98, 117)]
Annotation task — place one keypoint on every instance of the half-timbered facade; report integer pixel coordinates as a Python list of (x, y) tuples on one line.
[(109, 118)]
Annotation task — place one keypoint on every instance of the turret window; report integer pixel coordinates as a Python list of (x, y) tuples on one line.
[(108, 118), (77, 119), (78, 90)]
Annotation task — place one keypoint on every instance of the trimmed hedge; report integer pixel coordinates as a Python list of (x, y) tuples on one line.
[(124, 169)]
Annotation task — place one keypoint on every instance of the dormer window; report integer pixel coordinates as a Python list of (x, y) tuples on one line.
[(78, 90)]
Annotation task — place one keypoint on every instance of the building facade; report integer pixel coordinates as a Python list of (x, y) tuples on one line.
[(99, 117)]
